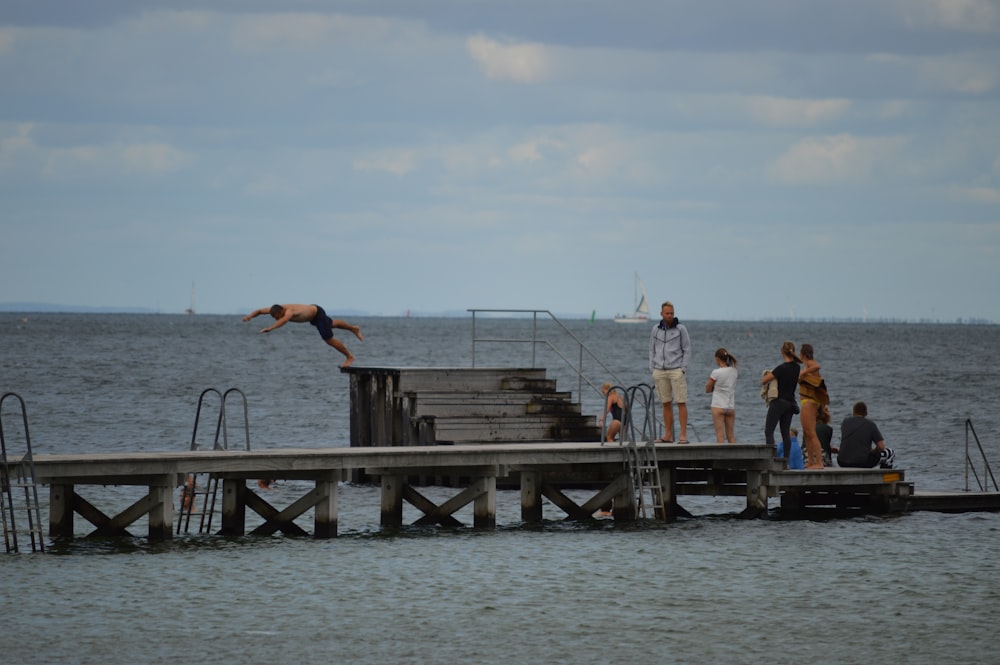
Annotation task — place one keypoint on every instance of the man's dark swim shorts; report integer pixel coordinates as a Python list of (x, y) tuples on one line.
[(323, 323)]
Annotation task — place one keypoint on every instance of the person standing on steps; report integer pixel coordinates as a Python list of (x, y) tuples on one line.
[(669, 355), (315, 315)]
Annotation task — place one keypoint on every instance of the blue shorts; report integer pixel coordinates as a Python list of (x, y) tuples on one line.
[(323, 323)]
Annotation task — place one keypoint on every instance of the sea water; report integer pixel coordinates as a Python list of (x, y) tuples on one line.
[(918, 587)]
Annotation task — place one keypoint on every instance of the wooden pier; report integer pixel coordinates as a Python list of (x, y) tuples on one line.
[(506, 426), (749, 470)]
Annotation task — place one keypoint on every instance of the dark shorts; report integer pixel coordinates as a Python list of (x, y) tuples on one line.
[(323, 323), (884, 459)]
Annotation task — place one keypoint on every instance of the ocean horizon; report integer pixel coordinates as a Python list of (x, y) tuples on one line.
[(711, 588), (52, 308)]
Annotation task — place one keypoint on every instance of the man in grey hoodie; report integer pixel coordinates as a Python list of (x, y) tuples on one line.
[(669, 355)]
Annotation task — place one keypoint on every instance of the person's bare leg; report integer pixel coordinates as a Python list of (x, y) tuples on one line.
[(344, 325), (719, 422), (668, 422), (682, 415), (813, 449), (337, 344), (731, 426)]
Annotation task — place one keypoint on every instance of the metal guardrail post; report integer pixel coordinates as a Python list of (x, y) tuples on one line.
[(987, 470), (535, 341)]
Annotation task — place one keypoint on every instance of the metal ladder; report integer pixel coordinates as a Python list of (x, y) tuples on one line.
[(204, 487), (640, 453), (15, 477)]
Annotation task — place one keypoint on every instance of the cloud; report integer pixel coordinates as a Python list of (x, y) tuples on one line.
[(397, 163), (290, 31), (839, 158), (958, 74), (784, 112), (97, 161), (529, 151), (152, 157), (16, 148), (964, 15), (520, 63), (989, 195), (6, 40)]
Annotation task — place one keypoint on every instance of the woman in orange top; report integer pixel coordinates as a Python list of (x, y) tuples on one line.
[(812, 395)]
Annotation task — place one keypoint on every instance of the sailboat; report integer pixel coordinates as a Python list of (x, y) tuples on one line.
[(190, 310), (641, 313)]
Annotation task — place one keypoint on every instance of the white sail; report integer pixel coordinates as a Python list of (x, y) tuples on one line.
[(641, 312)]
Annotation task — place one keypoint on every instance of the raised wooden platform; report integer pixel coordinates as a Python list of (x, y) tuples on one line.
[(874, 490), (400, 406), (698, 468)]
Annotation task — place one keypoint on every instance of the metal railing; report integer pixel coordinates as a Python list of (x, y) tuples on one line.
[(535, 341), (17, 476), (221, 425), (207, 484), (969, 466)]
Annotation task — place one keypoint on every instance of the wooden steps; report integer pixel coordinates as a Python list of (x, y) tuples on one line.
[(493, 405), (413, 406)]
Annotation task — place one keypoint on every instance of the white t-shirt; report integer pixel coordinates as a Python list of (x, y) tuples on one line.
[(724, 391)]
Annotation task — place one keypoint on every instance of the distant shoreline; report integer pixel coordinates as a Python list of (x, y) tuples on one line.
[(46, 308)]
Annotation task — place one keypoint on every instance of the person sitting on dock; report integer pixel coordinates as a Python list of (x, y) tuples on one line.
[(315, 315), (861, 443)]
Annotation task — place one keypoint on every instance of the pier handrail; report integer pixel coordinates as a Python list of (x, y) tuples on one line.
[(640, 395), (19, 473), (535, 341), (221, 426), (987, 471)]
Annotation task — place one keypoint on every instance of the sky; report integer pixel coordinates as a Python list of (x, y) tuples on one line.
[(748, 160)]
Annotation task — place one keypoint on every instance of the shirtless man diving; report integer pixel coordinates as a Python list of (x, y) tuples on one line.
[(315, 315)]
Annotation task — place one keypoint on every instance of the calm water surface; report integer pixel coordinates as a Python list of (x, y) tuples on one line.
[(917, 588)]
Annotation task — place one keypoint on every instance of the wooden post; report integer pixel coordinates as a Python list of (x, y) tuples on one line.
[(531, 496), (61, 511), (624, 507), (234, 507), (791, 503), (326, 510), (668, 482), (756, 494), (161, 511), (381, 409), (360, 426), (392, 500), (484, 508)]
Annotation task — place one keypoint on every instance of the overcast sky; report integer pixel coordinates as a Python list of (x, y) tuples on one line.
[(749, 160)]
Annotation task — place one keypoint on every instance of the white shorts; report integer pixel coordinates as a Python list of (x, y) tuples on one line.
[(671, 384)]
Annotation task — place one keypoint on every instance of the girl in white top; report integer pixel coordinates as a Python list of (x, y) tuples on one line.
[(722, 385)]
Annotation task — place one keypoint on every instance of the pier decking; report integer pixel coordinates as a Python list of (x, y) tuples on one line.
[(397, 416), (697, 468)]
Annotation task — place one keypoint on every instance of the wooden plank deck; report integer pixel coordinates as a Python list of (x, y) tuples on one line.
[(953, 502), (696, 468)]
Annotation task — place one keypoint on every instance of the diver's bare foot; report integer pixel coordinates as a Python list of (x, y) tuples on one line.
[(347, 363), (357, 333)]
